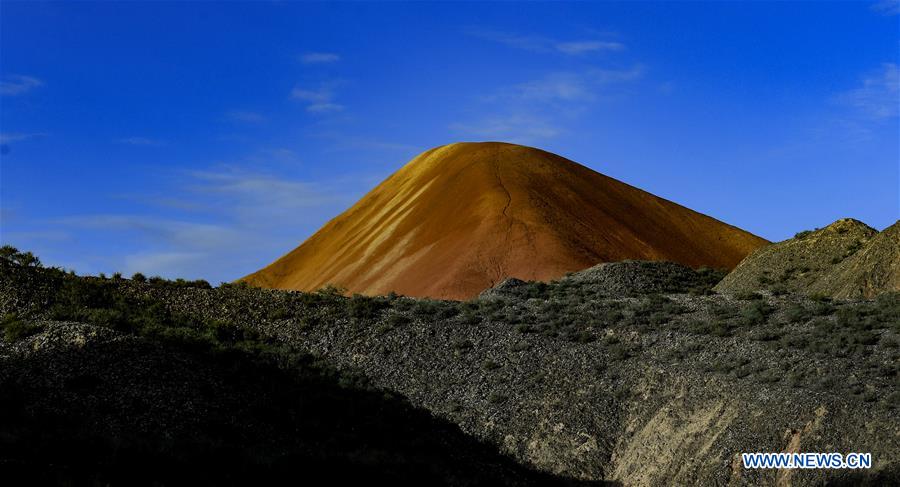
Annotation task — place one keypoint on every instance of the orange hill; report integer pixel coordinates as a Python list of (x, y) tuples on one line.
[(460, 218)]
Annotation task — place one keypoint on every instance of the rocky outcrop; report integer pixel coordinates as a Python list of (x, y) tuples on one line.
[(872, 270)]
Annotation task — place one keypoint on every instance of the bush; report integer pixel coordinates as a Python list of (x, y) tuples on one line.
[(490, 365), (12, 254), (362, 308), (748, 296), (797, 313), (496, 398), (15, 329), (756, 313), (330, 290), (138, 277)]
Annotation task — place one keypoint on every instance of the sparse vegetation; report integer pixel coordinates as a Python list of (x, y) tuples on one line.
[(784, 342), (14, 328)]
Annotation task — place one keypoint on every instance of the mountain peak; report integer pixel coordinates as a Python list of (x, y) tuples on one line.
[(849, 224), (462, 217)]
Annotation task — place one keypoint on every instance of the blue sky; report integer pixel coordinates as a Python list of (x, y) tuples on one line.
[(204, 140)]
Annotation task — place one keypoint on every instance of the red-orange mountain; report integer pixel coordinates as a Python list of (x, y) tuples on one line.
[(460, 218)]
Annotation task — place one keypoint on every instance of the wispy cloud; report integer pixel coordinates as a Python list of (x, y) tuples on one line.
[(17, 84), (163, 263), (572, 86), (216, 223), (540, 109), (878, 98), (319, 99), (340, 141), (517, 128), (581, 47), (546, 44), (887, 7), (243, 116), (253, 193), (319, 58), (145, 141), (181, 234), (7, 137)]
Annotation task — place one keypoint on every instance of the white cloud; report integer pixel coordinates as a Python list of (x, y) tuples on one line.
[(516, 128), (545, 44), (182, 234), (350, 142), (317, 100), (539, 109), (245, 117), (581, 47), (254, 193), (225, 220), (879, 96), (556, 86), (7, 137), (887, 7), (319, 58), (16, 84), (575, 86), (146, 141), (324, 107), (163, 263)]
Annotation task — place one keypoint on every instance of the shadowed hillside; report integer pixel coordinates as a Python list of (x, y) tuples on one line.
[(633, 373), (460, 218)]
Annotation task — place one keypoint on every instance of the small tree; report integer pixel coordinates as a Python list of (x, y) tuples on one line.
[(13, 255), (8, 252), (138, 277)]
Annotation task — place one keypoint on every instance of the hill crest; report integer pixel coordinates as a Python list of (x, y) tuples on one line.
[(846, 259)]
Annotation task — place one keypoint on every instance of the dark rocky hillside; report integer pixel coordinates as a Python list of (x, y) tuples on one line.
[(585, 378), (845, 260), (88, 405)]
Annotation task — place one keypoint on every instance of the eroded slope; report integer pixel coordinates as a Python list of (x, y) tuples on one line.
[(462, 217)]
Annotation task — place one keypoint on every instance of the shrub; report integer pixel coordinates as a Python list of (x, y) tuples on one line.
[(496, 398), (490, 365), (397, 320), (240, 285), (756, 313), (748, 296), (138, 277), (722, 328), (462, 344), (765, 335), (520, 346), (331, 290), (361, 307), (797, 313), (619, 351), (12, 254), (15, 329), (280, 313), (778, 290)]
